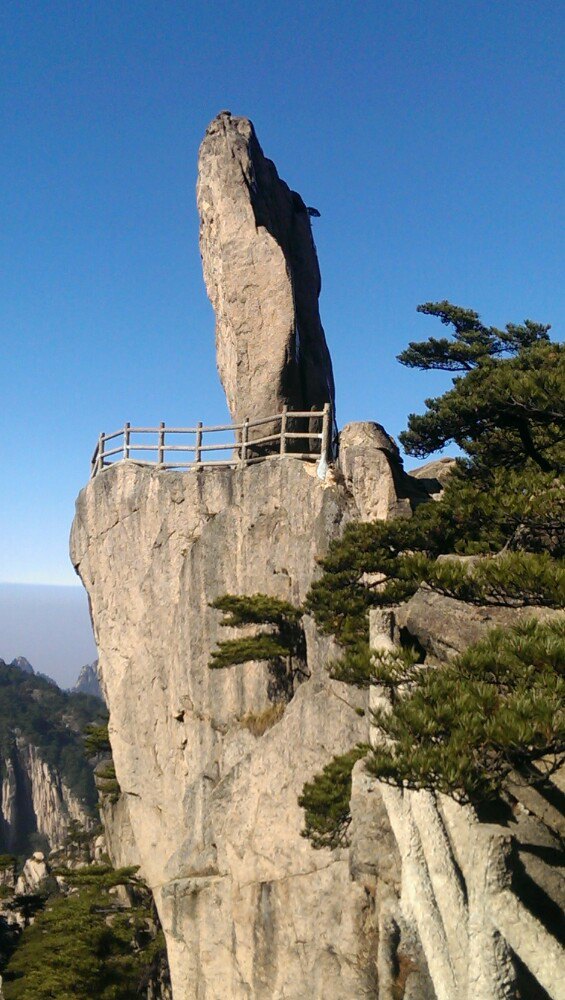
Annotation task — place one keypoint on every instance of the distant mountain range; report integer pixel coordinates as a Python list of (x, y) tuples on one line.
[(25, 666), (87, 680)]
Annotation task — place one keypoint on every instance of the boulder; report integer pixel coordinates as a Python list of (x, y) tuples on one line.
[(262, 276), (370, 462)]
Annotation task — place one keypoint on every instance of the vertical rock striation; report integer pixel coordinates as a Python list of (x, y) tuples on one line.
[(36, 801), (248, 908), (262, 276)]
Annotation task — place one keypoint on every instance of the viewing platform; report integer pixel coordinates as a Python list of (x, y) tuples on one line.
[(305, 435)]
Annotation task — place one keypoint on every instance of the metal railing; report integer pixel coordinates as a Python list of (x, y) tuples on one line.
[(244, 443)]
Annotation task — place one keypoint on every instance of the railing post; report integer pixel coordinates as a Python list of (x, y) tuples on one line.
[(325, 442), (126, 439), (197, 453), (326, 418), (100, 462), (283, 429), (161, 444), (243, 445)]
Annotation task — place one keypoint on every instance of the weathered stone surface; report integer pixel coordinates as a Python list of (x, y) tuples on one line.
[(471, 894), (34, 798), (434, 475), (262, 276), (35, 870), (445, 627), (249, 909), (372, 467)]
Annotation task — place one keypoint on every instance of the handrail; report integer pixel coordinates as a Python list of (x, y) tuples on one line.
[(290, 431)]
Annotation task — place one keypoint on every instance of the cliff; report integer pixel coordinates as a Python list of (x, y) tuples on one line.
[(46, 782), (249, 909), (37, 805), (425, 903)]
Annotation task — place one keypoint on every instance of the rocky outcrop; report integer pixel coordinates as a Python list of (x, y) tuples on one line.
[(444, 627), (36, 801), (119, 839), (372, 468), (262, 276), (471, 908), (249, 909), (434, 475), (88, 681), (21, 663)]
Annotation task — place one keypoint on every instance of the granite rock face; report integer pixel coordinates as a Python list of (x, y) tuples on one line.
[(444, 626), (248, 908), (34, 798), (262, 276), (466, 895), (373, 472)]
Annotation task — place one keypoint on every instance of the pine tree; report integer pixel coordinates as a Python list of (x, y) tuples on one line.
[(280, 642), (463, 727), (511, 398)]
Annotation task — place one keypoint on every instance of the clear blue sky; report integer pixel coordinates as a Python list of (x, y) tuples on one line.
[(427, 134)]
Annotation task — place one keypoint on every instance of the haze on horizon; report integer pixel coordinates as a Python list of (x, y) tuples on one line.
[(50, 626)]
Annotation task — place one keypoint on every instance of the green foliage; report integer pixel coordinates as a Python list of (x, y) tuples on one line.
[(363, 667), (283, 641), (340, 600), (96, 741), (508, 409), (85, 945), (53, 721), (462, 727), (325, 801), (511, 578), (234, 651), (256, 609), (472, 342), (102, 876), (484, 508), (107, 783)]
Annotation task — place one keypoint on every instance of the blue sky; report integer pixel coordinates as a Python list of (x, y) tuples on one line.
[(427, 134)]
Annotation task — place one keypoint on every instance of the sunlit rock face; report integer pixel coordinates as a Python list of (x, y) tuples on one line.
[(262, 276), (249, 909), (209, 805)]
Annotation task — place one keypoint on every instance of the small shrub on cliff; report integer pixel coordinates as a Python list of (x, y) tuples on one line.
[(281, 642), (258, 723), (325, 801), (107, 784), (96, 741)]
